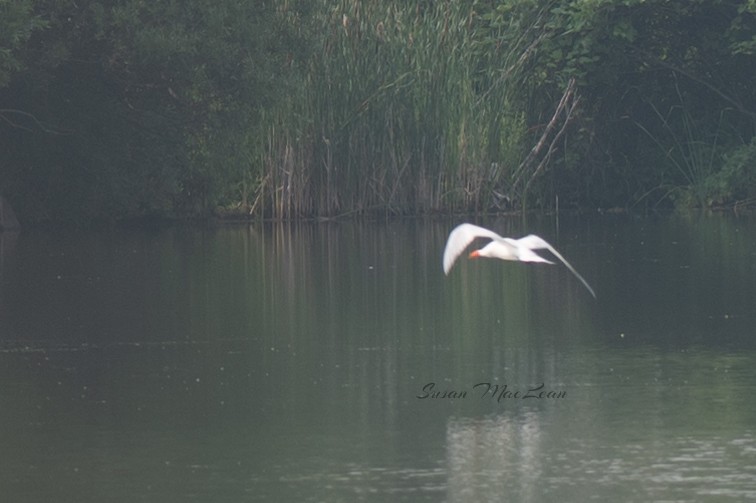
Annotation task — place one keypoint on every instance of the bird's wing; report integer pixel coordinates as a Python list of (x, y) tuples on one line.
[(460, 237), (534, 242)]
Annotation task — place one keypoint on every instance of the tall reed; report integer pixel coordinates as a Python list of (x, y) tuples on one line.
[(404, 109), (691, 148)]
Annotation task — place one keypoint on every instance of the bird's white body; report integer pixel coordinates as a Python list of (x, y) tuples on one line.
[(501, 248)]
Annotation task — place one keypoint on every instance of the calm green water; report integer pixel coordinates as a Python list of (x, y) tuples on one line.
[(284, 363)]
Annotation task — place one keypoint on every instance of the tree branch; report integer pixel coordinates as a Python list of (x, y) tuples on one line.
[(7, 113), (568, 104)]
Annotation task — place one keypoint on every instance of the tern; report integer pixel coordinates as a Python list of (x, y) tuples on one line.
[(501, 248)]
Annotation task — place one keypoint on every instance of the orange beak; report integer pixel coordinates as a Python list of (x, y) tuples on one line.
[(474, 254)]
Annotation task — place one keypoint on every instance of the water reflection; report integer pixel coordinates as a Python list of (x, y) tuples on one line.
[(283, 363), (639, 425), (492, 457)]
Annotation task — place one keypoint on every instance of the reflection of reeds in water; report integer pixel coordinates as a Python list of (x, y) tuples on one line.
[(490, 458), (404, 110)]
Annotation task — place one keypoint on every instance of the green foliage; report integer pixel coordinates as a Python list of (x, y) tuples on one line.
[(411, 108), (288, 108), (741, 34), (735, 183), (666, 87), (134, 108), (17, 23)]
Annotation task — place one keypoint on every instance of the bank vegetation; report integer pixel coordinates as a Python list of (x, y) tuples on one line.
[(289, 109)]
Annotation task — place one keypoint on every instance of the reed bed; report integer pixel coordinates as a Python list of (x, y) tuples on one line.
[(406, 107)]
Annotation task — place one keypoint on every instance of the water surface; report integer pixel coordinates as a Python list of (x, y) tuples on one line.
[(285, 363)]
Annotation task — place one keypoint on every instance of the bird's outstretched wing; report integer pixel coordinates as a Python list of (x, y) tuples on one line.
[(460, 237), (534, 242)]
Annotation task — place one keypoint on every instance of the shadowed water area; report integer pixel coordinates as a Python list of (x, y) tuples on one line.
[(294, 362)]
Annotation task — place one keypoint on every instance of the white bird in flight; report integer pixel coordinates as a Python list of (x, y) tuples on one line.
[(501, 248)]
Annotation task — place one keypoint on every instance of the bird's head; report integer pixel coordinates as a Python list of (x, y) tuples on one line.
[(487, 251), (494, 249)]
